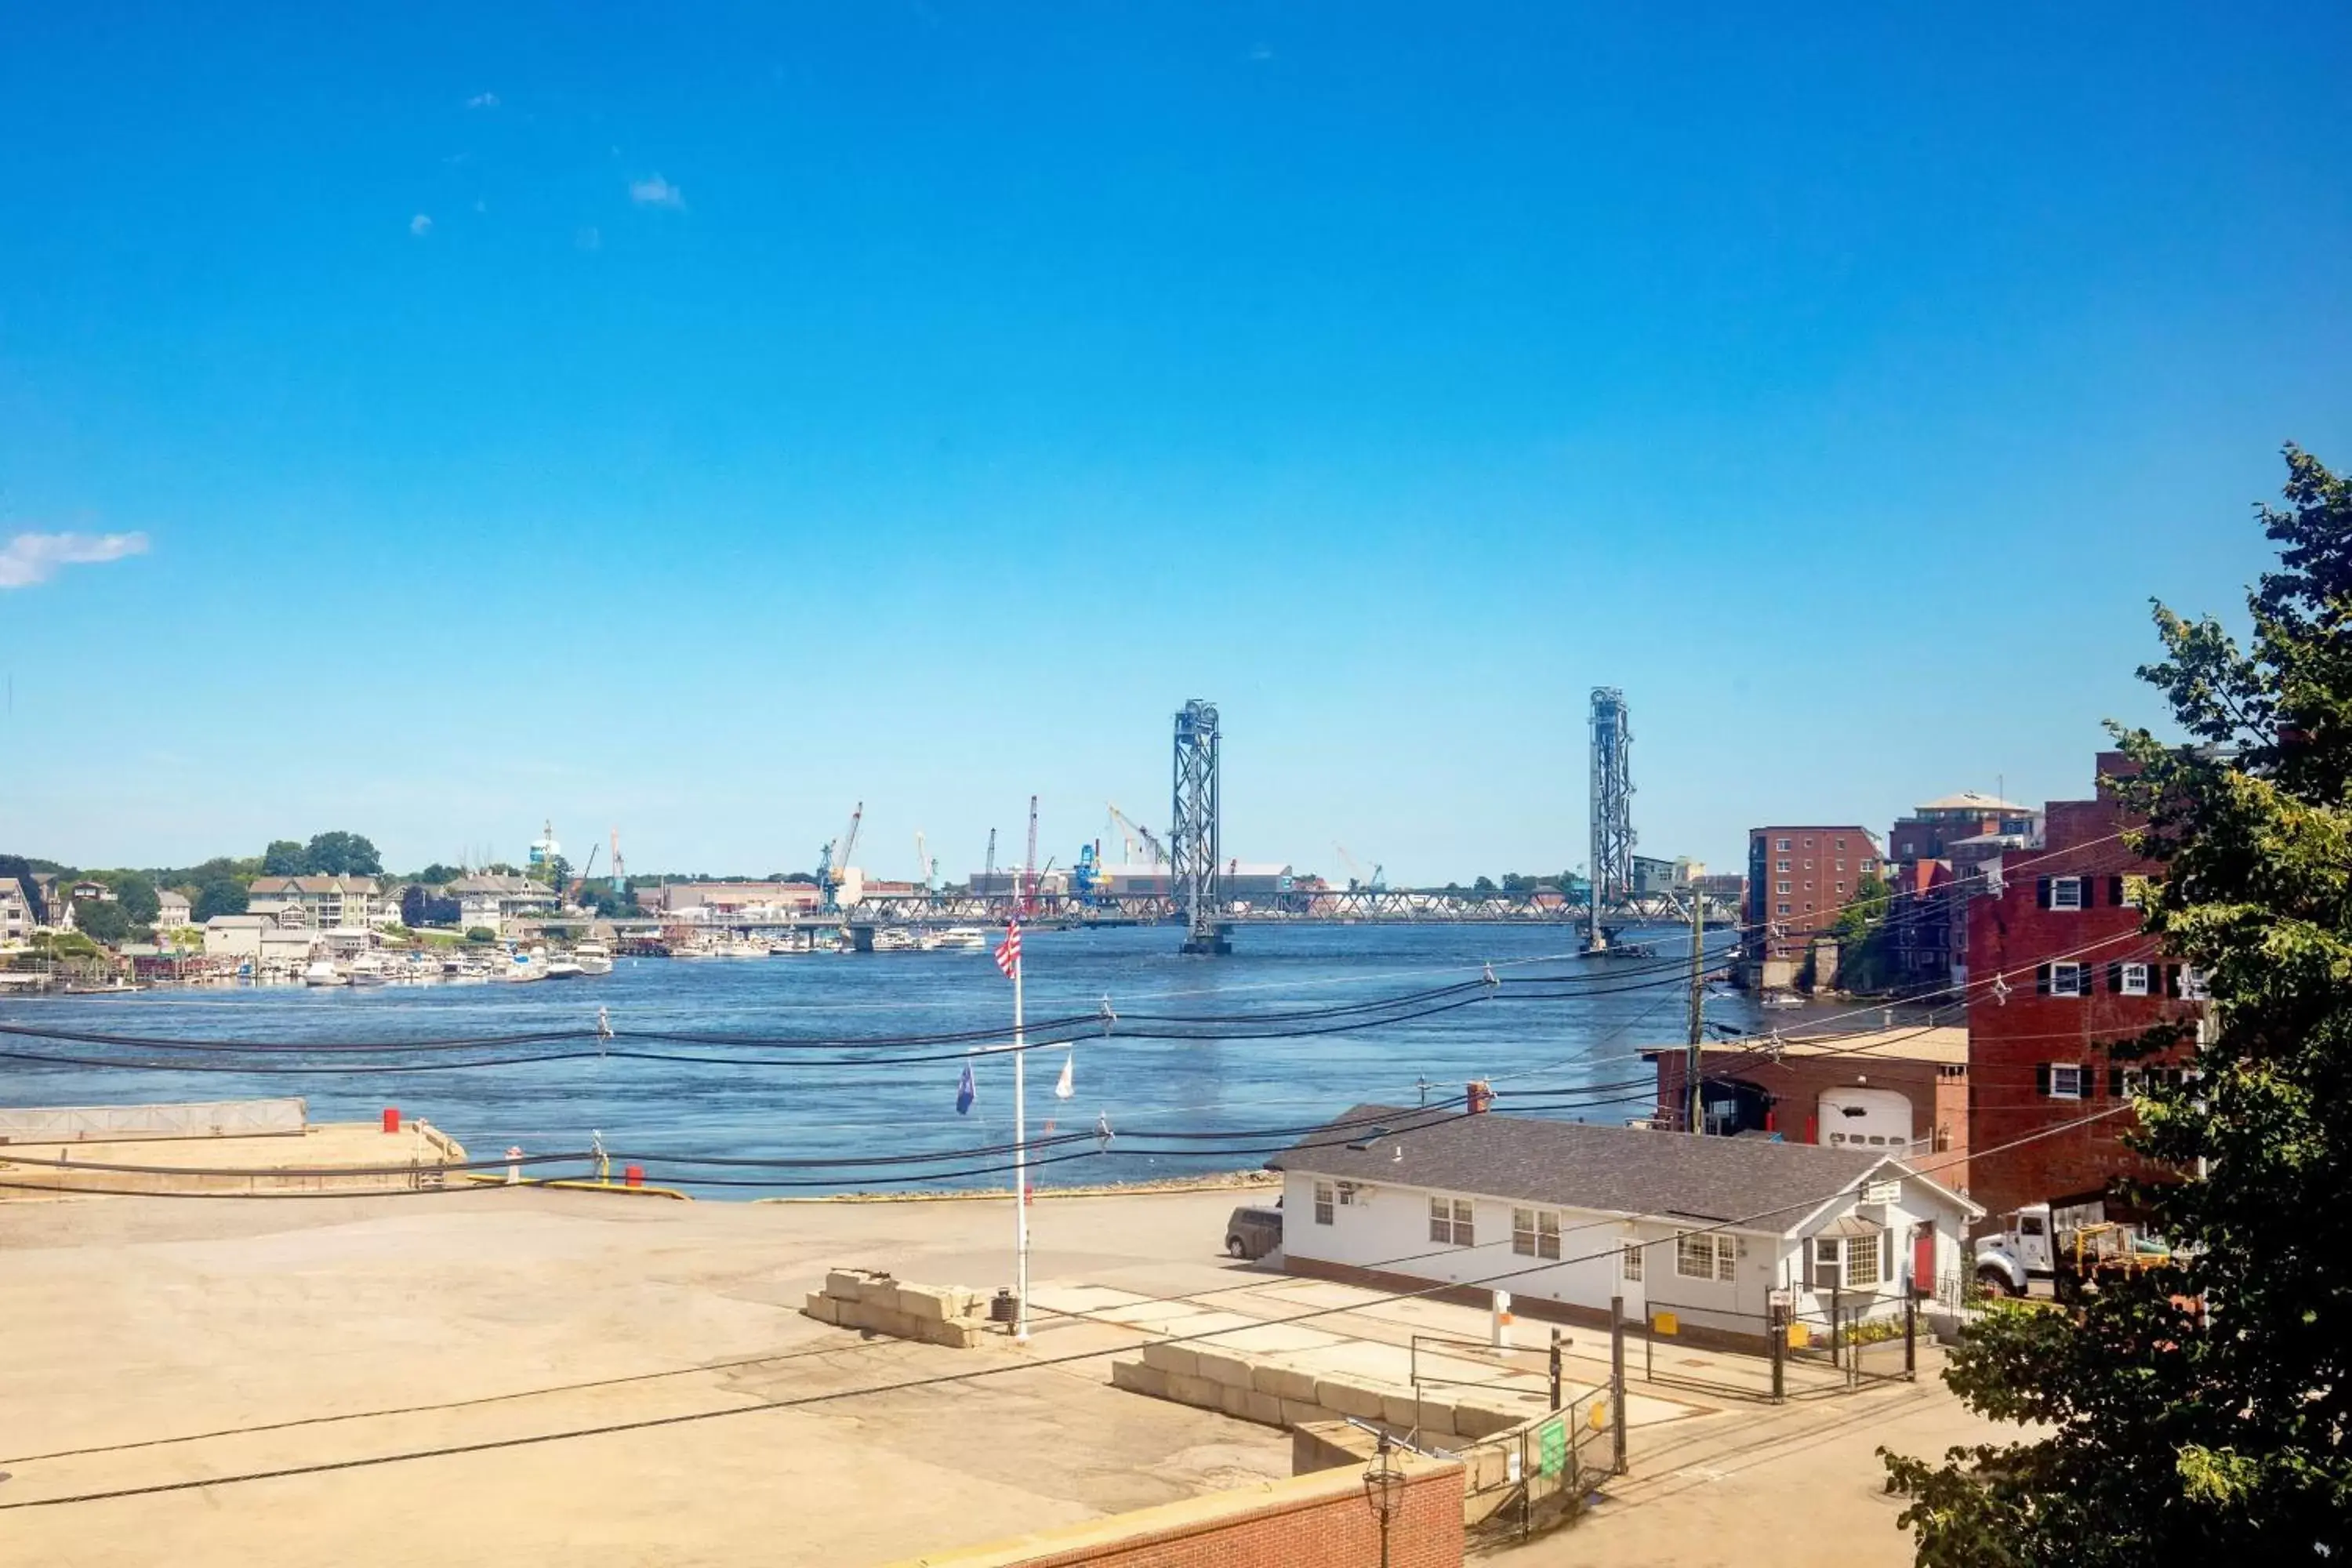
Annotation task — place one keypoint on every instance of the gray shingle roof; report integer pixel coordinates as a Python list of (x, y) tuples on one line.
[(1574, 1164)]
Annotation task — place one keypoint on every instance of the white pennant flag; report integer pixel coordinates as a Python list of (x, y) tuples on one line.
[(1065, 1087)]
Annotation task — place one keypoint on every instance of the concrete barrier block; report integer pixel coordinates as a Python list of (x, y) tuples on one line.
[(1263, 1408), (1182, 1360), (1482, 1421), (1137, 1378), (1197, 1391), (1234, 1402), (821, 1307), (926, 1302), (844, 1284), (955, 1336), (1344, 1398), (1283, 1382), (1296, 1413), (1403, 1409), (1219, 1367)]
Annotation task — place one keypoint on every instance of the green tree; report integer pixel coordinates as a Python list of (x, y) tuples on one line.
[(284, 858), (437, 874), (100, 920), (219, 896), (137, 894), (2204, 1411), (339, 854)]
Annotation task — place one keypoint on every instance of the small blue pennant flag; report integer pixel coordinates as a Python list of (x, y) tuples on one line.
[(965, 1092)]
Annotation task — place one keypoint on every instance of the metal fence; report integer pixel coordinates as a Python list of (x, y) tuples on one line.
[(1542, 1474), (1781, 1354)]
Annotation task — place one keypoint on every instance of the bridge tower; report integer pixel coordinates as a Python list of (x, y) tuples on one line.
[(1195, 843), (1612, 808)]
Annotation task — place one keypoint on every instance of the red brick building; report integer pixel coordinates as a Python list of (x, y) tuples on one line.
[(2058, 972), (1799, 879), (1930, 855), (1904, 1090)]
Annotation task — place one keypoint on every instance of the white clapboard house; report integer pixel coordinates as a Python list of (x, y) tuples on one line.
[(1707, 1227)]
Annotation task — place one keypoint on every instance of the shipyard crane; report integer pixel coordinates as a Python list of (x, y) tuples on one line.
[(1029, 865), (832, 859), (1132, 830), (571, 893)]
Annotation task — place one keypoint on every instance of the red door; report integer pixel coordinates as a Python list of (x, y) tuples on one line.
[(1923, 1261)]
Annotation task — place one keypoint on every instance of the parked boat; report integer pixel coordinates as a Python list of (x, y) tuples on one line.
[(563, 968), (959, 938), (321, 973), (368, 971), (594, 958)]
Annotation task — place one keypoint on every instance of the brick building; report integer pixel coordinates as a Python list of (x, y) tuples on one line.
[(1799, 879), (1930, 857), (1902, 1090), (2059, 971)]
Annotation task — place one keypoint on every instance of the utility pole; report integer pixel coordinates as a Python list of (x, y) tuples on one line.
[(1698, 1009)]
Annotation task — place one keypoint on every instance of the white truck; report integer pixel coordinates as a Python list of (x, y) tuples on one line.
[(2070, 1247)]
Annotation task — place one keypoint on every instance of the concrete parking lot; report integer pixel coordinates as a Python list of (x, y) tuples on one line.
[(526, 1376)]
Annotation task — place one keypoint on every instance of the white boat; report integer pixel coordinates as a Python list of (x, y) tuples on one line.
[(789, 947), (524, 967), (564, 969), (368, 971), (960, 939), (893, 939), (321, 973), (594, 958)]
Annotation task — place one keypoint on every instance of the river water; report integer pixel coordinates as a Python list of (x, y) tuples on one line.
[(805, 1110)]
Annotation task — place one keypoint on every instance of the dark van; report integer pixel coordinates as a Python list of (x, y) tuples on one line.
[(1253, 1232)]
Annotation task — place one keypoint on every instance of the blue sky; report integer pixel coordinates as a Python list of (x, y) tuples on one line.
[(697, 420)]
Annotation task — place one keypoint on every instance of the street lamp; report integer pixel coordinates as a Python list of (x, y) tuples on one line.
[(1384, 1489)]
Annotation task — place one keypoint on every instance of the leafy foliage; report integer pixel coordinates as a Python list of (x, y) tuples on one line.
[(2205, 1410), (220, 895), (101, 921)]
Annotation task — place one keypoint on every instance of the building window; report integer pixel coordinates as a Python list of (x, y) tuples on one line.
[(2065, 892), (2131, 979), (1782, 888), (2125, 892), (1535, 1232), (1707, 1255), (1809, 844), (1862, 1261), (2060, 1080), (1841, 887), (1783, 910), (2058, 980), (1867, 864), (2192, 984), (1628, 1262), (1781, 867), (1450, 1221), (1780, 843), (1841, 843), (1808, 864), (1826, 1256), (1323, 1196), (1840, 866)]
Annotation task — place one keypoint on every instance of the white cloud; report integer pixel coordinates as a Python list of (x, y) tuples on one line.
[(483, 101), (420, 226), (31, 558), (655, 192)]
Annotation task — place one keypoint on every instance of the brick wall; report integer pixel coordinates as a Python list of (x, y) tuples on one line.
[(2019, 1030), (1320, 1521)]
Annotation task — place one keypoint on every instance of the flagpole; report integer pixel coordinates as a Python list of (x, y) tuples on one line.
[(1020, 1166)]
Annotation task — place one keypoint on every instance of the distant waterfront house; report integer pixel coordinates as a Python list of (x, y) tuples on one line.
[(492, 900), (1566, 1216), (317, 903), (16, 920), (173, 910)]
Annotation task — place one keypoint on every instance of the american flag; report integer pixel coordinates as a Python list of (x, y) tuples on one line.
[(1008, 952)]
